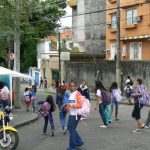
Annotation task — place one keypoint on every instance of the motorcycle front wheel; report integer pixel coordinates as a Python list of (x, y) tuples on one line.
[(12, 140)]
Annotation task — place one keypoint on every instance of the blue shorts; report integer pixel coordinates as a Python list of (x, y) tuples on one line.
[(115, 104)]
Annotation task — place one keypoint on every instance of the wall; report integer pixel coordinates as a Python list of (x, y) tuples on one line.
[(79, 71)]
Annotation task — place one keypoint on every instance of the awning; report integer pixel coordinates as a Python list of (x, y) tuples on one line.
[(5, 71), (135, 37)]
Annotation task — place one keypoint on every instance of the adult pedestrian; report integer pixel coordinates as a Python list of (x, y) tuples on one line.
[(64, 85), (61, 99), (45, 83), (136, 114), (41, 82), (4, 95), (116, 97), (99, 88), (147, 123), (75, 102), (83, 89), (49, 116)]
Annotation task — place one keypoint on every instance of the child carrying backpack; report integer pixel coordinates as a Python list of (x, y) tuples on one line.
[(27, 97), (46, 109), (128, 90), (116, 97)]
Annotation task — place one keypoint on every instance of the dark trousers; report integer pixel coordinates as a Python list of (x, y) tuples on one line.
[(75, 139), (4, 103), (102, 113), (136, 114), (148, 119), (50, 119)]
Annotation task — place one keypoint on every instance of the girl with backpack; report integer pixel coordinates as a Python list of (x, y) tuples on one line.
[(75, 103), (61, 98), (116, 97), (136, 114), (27, 97), (48, 106), (102, 106)]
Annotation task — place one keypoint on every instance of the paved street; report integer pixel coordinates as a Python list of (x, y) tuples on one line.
[(118, 136)]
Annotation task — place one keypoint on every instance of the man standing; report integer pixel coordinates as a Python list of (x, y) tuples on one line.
[(41, 83)]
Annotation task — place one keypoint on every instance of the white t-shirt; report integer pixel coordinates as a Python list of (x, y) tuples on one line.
[(128, 80), (98, 93)]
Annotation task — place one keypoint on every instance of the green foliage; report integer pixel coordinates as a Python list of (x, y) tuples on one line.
[(36, 20), (75, 50)]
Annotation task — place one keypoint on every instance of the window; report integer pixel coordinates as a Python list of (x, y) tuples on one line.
[(70, 45), (136, 51), (131, 16), (113, 51), (114, 22)]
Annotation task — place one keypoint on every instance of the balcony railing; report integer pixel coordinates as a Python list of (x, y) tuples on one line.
[(72, 3)]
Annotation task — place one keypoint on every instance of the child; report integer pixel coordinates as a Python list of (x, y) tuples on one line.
[(128, 89), (75, 102), (27, 97), (61, 97), (33, 98), (102, 106), (49, 108), (116, 97)]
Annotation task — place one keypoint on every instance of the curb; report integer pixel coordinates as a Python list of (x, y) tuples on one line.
[(26, 123)]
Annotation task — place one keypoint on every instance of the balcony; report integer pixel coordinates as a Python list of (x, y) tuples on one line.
[(72, 3), (131, 26)]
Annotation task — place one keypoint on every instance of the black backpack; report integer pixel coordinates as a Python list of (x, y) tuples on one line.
[(128, 90)]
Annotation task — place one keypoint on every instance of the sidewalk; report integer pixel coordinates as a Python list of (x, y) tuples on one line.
[(22, 117)]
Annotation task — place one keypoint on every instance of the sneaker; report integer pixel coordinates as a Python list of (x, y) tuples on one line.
[(116, 119), (143, 126), (53, 134), (43, 133), (146, 127), (65, 130), (138, 131), (103, 126)]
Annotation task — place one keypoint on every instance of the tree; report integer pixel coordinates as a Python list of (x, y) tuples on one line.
[(36, 20)]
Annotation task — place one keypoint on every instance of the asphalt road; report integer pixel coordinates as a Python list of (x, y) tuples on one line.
[(118, 136)]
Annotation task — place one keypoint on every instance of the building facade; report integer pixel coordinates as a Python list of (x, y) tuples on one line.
[(88, 23), (135, 30)]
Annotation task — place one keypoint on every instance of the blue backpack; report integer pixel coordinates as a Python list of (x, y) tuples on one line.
[(106, 97)]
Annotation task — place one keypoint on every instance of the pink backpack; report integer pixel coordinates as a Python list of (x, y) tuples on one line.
[(85, 110)]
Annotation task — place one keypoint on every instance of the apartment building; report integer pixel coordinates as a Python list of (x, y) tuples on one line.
[(135, 29), (88, 31)]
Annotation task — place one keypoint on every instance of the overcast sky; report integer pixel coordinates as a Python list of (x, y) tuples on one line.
[(67, 21)]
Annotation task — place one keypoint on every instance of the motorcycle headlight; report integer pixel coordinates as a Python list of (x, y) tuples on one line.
[(11, 116)]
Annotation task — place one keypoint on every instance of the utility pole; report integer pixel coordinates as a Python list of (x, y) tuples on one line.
[(17, 101), (59, 49), (118, 58)]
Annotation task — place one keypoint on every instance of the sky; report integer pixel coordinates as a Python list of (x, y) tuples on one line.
[(67, 21)]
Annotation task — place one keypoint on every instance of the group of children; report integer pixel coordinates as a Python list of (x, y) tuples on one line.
[(30, 97), (72, 100)]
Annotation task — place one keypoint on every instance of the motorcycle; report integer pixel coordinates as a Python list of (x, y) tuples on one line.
[(9, 138)]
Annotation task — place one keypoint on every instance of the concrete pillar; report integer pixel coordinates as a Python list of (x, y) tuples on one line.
[(63, 71)]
